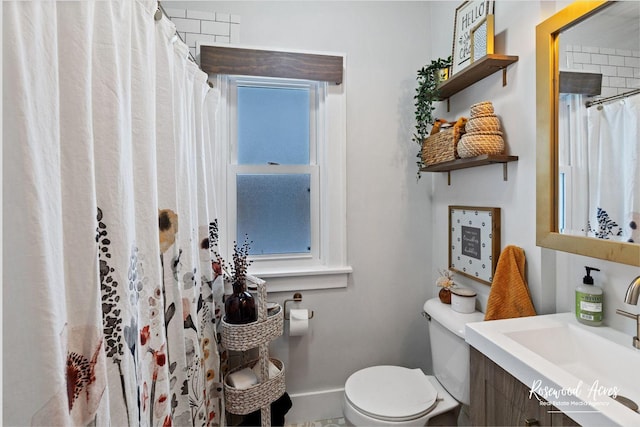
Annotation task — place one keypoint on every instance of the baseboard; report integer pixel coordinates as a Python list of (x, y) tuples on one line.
[(317, 405)]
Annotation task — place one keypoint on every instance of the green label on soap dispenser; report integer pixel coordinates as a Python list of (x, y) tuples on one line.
[(588, 307)]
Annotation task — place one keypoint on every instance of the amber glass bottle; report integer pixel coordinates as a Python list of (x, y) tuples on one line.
[(240, 307)]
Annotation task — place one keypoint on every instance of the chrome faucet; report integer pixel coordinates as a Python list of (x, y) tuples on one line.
[(631, 297)]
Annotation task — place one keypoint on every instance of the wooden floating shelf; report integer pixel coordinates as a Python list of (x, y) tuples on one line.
[(485, 159), (477, 71)]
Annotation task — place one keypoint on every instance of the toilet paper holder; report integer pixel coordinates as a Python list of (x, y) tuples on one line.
[(297, 297)]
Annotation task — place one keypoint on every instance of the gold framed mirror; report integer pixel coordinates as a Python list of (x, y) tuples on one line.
[(547, 139)]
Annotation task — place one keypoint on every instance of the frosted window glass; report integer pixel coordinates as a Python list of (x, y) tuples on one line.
[(273, 125), (275, 212)]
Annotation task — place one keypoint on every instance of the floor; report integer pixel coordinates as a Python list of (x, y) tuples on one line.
[(451, 418), (446, 419), (333, 422)]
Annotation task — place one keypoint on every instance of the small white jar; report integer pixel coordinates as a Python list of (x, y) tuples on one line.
[(463, 300)]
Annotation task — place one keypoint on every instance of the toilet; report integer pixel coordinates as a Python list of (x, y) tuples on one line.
[(397, 396)]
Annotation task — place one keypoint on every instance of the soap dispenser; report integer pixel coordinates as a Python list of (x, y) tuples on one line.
[(589, 301)]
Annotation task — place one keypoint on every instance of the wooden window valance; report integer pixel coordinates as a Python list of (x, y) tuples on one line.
[(268, 63)]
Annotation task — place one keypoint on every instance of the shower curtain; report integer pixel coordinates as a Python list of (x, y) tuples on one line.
[(600, 162), (110, 302), (614, 170)]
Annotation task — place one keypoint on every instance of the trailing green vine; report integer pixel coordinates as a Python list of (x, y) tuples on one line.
[(426, 94)]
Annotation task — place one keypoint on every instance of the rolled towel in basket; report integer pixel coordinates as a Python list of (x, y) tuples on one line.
[(273, 370), (242, 379)]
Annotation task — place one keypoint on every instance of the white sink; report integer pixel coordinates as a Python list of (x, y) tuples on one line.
[(573, 366)]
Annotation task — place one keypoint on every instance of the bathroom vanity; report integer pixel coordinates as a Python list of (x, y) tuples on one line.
[(552, 370), (500, 399)]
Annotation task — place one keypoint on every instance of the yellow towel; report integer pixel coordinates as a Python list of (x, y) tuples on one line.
[(509, 296)]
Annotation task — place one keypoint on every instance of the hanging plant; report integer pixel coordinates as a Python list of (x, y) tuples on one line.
[(426, 94)]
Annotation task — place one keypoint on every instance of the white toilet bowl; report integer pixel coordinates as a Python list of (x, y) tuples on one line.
[(397, 396), (394, 396)]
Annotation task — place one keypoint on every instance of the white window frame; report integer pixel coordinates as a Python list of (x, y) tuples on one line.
[(326, 266), (565, 218)]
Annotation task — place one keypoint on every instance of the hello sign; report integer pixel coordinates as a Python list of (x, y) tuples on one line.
[(468, 15)]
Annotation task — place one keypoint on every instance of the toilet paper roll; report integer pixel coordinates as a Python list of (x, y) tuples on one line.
[(299, 322)]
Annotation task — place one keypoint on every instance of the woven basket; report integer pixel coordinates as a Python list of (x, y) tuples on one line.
[(479, 143), (250, 335), (481, 108), (441, 147), (245, 401), (485, 123)]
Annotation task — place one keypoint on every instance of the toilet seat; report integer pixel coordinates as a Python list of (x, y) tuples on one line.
[(391, 393)]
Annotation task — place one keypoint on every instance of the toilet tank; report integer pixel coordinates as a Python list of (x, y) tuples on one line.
[(449, 350)]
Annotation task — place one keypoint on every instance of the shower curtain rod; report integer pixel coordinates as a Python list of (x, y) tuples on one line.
[(611, 98), (158, 16)]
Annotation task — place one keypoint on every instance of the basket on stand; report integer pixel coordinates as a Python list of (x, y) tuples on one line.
[(244, 337)]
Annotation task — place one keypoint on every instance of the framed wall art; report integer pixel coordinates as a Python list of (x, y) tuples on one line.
[(482, 38), (474, 241), (468, 15)]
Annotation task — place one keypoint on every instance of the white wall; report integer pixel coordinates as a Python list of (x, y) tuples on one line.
[(515, 106), (377, 319), (397, 227), (552, 276)]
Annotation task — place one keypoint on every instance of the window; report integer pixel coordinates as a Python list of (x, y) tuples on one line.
[(273, 167), (284, 145)]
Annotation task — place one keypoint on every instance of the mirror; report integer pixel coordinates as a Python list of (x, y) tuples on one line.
[(549, 62)]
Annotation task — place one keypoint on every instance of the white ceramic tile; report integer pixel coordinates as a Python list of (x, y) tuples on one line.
[(223, 17), (623, 52), (608, 70), (624, 71), (607, 51), (616, 60), (617, 82), (235, 33), (223, 39), (197, 14), (597, 58), (217, 28), (583, 58), (630, 61), (567, 61), (187, 25), (234, 19), (608, 91), (175, 13), (202, 38), (633, 83), (594, 68)]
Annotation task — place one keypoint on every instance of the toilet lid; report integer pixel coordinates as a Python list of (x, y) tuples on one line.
[(391, 393)]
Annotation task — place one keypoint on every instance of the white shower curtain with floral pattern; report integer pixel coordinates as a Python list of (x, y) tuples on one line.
[(110, 303)]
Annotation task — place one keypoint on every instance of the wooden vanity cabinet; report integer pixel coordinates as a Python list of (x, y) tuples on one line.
[(499, 399)]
